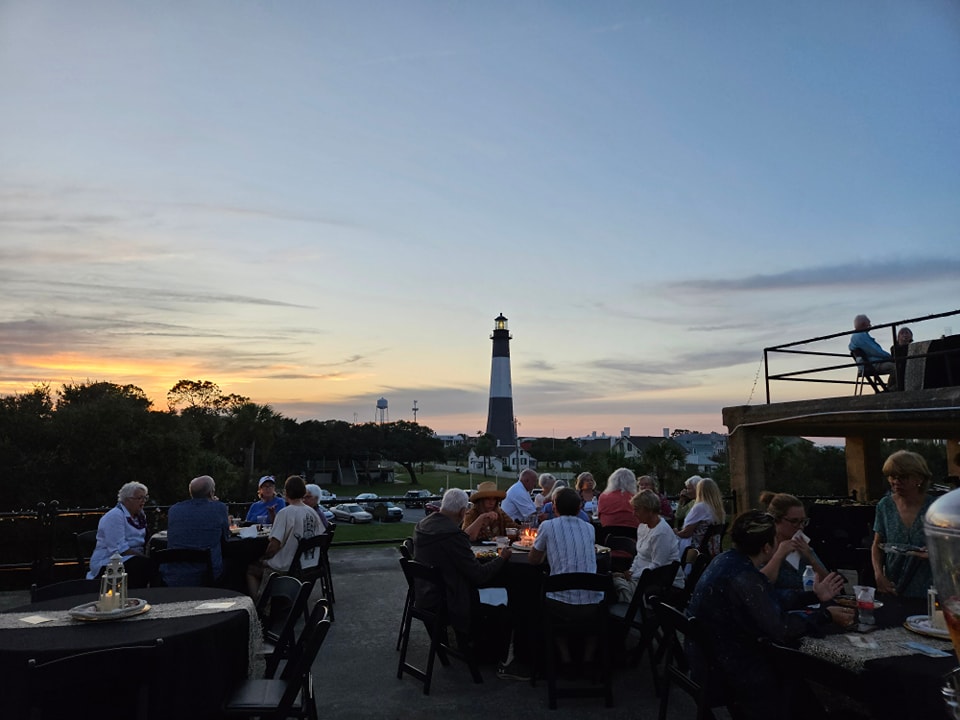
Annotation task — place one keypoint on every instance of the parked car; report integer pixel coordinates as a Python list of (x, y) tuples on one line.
[(415, 498), (431, 507), (351, 513), (326, 496), (328, 514), (366, 496), (394, 512)]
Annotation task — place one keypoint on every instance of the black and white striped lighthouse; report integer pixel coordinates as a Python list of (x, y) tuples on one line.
[(500, 412)]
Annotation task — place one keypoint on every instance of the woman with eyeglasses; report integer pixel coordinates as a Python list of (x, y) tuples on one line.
[(793, 555), (123, 530), (736, 605), (899, 554)]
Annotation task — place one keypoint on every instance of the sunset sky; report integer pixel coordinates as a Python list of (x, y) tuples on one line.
[(315, 204)]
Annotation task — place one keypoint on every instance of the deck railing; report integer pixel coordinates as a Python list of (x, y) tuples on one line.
[(830, 370)]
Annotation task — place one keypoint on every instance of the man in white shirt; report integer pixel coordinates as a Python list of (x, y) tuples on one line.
[(293, 522), (517, 504)]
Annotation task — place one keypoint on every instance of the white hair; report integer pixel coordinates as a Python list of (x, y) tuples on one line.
[(202, 486), (622, 480), (313, 489), (454, 500), (128, 489)]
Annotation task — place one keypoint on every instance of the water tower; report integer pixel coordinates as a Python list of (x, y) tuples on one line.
[(383, 414)]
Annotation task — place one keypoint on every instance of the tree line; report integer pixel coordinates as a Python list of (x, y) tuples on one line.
[(80, 444)]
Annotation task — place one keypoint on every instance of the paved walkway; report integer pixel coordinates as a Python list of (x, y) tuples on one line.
[(356, 669)]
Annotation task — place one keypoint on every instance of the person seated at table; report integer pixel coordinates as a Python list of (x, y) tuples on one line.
[(518, 505), (614, 502), (547, 483), (567, 544), (294, 521), (904, 336), (200, 522), (265, 509), (438, 541), (861, 340), (312, 499), (485, 520), (685, 500), (587, 487), (655, 548), (793, 555), (123, 530), (899, 522), (736, 605), (707, 510), (549, 509), (648, 482)]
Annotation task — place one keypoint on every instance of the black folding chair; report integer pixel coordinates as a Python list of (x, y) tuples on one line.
[(314, 552), (638, 614), (557, 623), (406, 552), (677, 670), (191, 567), (292, 693), (436, 621), (74, 685), (63, 589), (84, 543)]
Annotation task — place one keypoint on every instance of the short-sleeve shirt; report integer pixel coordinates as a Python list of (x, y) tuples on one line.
[(259, 508), (569, 546), (291, 524), (518, 504), (896, 566)]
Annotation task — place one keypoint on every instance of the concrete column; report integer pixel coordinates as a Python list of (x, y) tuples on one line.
[(864, 468), (745, 454)]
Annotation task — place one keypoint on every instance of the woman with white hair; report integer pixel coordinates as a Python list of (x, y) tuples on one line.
[(123, 530), (685, 501), (614, 506)]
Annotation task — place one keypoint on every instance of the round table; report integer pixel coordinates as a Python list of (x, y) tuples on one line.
[(203, 656)]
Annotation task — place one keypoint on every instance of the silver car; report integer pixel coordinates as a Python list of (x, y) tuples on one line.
[(351, 513)]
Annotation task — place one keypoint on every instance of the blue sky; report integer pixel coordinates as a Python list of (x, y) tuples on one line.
[(316, 204)]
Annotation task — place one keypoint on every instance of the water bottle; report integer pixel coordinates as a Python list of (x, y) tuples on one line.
[(809, 577)]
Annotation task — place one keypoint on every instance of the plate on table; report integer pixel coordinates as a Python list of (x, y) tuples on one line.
[(920, 624), (89, 611), (522, 548), (488, 542)]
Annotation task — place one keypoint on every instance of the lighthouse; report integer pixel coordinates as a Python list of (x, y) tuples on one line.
[(500, 411)]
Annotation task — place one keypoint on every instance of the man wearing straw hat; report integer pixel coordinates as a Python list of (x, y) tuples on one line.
[(485, 520)]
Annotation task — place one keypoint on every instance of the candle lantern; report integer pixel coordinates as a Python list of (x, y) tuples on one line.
[(113, 586), (942, 527)]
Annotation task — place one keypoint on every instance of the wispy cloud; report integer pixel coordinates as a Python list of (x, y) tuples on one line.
[(845, 275)]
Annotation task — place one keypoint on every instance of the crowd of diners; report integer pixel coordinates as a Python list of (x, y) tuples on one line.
[(745, 593), (202, 521)]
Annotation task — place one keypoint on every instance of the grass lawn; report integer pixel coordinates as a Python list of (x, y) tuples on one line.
[(398, 531), (431, 481)]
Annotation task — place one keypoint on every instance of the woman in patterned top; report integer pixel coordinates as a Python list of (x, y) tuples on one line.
[(899, 522)]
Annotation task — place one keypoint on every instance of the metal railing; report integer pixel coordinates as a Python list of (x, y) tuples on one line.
[(816, 374)]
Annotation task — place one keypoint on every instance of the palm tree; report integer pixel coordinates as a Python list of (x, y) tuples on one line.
[(667, 459)]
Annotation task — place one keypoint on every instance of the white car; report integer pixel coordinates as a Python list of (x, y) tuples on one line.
[(366, 496), (351, 513), (326, 496)]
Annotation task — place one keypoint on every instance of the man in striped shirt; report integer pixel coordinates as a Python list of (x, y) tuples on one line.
[(568, 545)]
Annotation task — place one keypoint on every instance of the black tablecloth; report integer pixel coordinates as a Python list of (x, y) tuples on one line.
[(201, 659), (905, 687)]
